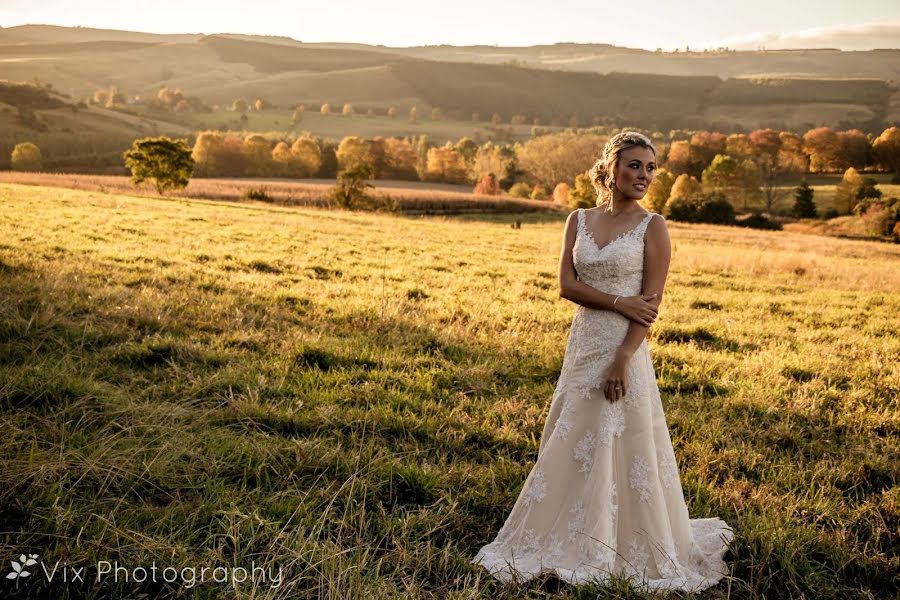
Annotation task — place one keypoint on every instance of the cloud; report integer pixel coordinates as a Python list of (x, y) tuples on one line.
[(846, 37)]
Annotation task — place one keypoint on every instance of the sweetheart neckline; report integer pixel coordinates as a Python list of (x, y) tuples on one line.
[(615, 239)]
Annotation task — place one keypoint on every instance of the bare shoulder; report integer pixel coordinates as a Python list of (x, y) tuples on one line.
[(657, 228)]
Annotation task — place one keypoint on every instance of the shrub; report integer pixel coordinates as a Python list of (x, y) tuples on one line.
[(758, 221), (520, 190), (561, 194), (26, 157), (539, 192), (488, 185), (701, 208), (350, 192), (260, 193), (584, 195), (879, 216)]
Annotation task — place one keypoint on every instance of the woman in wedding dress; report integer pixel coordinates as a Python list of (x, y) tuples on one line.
[(605, 495)]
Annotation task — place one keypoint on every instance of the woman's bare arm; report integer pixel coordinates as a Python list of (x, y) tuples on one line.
[(657, 256), (570, 287)]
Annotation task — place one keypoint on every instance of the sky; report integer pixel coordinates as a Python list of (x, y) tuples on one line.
[(650, 24)]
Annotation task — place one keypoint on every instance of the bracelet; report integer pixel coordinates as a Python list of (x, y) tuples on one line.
[(614, 302)]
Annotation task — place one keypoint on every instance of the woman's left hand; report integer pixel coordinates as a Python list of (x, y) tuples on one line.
[(614, 387)]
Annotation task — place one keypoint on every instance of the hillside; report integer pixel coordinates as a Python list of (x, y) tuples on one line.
[(69, 133), (790, 89)]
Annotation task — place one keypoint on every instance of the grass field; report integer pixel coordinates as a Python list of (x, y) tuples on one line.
[(357, 398), (337, 126)]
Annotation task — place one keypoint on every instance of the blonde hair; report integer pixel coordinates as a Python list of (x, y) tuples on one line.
[(603, 171)]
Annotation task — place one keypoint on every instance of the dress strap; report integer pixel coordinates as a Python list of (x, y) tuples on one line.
[(642, 226), (580, 219)]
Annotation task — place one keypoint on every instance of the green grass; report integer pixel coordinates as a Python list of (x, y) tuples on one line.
[(357, 398)]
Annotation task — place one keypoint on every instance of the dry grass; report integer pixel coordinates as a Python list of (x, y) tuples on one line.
[(358, 397), (409, 196)]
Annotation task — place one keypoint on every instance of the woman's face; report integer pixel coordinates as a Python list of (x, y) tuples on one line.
[(635, 171)]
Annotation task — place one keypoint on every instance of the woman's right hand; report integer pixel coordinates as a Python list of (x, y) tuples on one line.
[(637, 308)]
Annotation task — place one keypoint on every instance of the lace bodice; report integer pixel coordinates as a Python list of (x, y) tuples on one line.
[(617, 267)]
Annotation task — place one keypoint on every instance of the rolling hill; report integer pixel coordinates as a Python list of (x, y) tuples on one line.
[(566, 83)]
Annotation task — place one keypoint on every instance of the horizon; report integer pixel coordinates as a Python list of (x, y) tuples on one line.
[(406, 25)]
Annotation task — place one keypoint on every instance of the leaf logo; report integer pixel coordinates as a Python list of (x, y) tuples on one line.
[(19, 567)]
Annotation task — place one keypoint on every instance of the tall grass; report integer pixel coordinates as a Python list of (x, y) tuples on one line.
[(357, 398)]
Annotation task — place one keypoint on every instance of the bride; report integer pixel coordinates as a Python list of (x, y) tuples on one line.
[(604, 496)]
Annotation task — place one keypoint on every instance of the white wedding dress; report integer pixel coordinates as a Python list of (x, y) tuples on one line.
[(604, 494)]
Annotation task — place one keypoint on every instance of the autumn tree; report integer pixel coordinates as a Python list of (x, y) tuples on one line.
[(325, 109), (446, 164), (685, 187), (392, 112), (583, 194), (347, 111), (307, 157), (414, 115), (845, 193), (853, 148), (658, 193), (166, 161), (240, 105), (352, 150), (886, 149), (400, 159), (822, 146), (26, 157), (487, 185), (259, 154), (550, 159), (296, 117)]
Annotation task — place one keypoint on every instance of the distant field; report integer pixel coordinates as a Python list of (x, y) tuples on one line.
[(357, 398), (408, 196), (338, 126)]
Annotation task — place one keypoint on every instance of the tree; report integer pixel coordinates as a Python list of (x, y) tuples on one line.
[(487, 185), (348, 110), (259, 154), (685, 188), (239, 105), (168, 162), (845, 193), (297, 117), (350, 192), (392, 112), (561, 194), (445, 164), (352, 150), (868, 190), (735, 179), (822, 146), (804, 207), (26, 157), (584, 194), (886, 149), (658, 193), (550, 159), (306, 157), (414, 115), (325, 109)]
